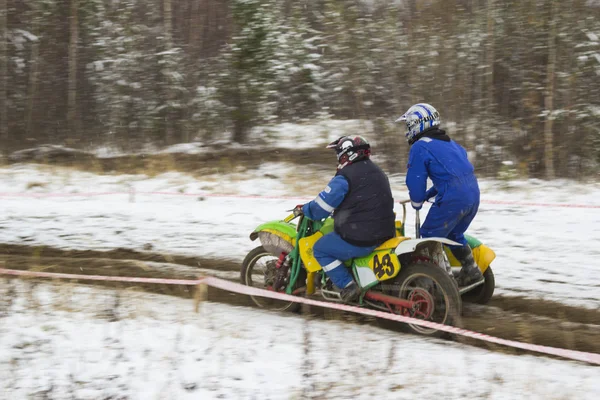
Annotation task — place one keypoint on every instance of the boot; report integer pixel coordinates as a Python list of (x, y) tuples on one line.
[(350, 292), (469, 272)]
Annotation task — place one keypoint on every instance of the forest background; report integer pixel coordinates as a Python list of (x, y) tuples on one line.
[(516, 81)]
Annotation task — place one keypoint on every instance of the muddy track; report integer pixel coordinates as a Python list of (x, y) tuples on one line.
[(532, 321), (44, 252)]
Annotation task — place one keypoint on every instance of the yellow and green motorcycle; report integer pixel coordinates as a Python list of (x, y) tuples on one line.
[(406, 276)]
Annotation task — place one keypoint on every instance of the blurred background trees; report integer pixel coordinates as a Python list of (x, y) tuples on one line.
[(514, 80)]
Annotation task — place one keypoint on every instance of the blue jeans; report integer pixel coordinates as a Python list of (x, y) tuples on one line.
[(449, 220), (331, 251)]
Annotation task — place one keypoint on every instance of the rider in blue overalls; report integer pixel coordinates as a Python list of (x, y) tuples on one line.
[(435, 156)]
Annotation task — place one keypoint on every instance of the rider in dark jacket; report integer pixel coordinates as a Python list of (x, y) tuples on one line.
[(434, 155), (361, 199)]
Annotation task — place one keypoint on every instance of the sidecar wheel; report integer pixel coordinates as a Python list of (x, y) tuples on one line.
[(257, 270), (483, 293)]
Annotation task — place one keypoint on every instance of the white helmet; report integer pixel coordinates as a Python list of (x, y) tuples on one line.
[(419, 118)]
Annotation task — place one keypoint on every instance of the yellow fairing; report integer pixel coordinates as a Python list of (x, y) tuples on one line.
[(306, 252), (482, 254)]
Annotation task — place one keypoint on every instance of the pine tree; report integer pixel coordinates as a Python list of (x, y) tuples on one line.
[(247, 81), (295, 65), (127, 73)]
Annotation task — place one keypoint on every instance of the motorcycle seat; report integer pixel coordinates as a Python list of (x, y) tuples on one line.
[(392, 243)]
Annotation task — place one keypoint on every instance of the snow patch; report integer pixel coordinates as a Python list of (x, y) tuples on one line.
[(73, 341), (592, 36)]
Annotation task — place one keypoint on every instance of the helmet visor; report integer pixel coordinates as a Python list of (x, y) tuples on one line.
[(334, 144), (404, 119)]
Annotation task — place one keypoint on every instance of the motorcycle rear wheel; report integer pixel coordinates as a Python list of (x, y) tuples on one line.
[(436, 293), (255, 272)]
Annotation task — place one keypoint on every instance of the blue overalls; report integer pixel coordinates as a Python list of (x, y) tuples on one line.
[(455, 186)]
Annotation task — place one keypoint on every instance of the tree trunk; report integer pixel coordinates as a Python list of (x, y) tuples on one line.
[(168, 29), (168, 18), (196, 28), (3, 71), (567, 133), (33, 75), (72, 85), (490, 55), (412, 6), (549, 95), (211, 28), (239, 115)]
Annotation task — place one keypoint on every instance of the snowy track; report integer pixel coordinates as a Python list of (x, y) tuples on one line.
[(542, 252)]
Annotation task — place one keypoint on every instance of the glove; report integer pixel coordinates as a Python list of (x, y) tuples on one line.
[(298, 210), (431, 193), (415, 205)]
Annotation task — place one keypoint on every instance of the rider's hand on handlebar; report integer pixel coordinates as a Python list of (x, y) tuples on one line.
[(415, 205), (298, 210), (431, 194)]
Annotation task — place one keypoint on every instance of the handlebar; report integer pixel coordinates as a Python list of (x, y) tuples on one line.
[(417, 225), (291, 217), (417, 218)]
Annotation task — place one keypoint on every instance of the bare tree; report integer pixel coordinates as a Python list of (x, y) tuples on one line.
[(549, 94), (72, 85), (197, 10), (33, 73), (410, 28), (490, 55), (168, 30), (3, 70)]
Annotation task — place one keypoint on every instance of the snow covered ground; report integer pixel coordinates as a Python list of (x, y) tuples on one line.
[(542, 252), (62, 341)]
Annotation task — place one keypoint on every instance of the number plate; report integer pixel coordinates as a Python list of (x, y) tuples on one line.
[(384, 263)]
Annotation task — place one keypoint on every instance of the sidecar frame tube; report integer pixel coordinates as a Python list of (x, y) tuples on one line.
[(384, 298)]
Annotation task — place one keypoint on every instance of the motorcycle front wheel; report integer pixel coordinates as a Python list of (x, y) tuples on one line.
[(258, 270)]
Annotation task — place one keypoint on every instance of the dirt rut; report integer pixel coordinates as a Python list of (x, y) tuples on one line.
[(531, 321)]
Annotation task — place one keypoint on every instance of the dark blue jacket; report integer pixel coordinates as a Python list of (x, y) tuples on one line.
[(437, 157), (361, 197)]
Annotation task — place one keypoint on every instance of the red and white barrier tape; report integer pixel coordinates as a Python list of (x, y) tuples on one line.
[(266, 197), (533, 204), (592, 358)]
